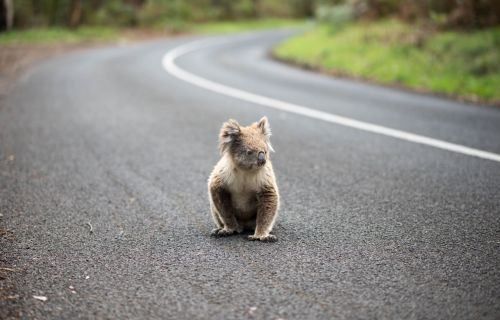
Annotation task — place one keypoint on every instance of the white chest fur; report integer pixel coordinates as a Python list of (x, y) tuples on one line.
[(243, 187)]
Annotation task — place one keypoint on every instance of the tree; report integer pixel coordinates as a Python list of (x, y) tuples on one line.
[(7, 14), (75, 13)]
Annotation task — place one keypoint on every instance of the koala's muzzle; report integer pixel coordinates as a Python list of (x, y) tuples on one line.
[(261, 159)]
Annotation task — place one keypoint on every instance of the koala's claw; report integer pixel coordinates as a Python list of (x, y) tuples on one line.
[(220, 232), (215, 232), (268, 238)]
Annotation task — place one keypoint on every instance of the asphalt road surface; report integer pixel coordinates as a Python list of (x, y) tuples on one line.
[(370, 226)]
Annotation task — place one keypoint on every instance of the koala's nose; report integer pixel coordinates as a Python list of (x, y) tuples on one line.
[(261, 158)]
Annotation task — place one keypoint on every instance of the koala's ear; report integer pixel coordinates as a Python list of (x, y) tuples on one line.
[(263, 125), (229, 131)]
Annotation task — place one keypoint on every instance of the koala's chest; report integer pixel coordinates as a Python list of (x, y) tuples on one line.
[(244, 200), (243, 195)]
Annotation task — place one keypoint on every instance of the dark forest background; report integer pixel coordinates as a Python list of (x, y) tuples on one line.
[(21, 14)]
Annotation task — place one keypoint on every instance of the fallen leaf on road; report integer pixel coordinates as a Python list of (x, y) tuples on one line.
[(41, 298), (10, 158)]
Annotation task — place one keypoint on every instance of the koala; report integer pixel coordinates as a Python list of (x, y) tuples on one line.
[(242, 187)]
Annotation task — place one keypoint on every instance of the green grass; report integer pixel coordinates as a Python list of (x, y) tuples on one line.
[(58, 35), (246, 25), (92, 33), (390, 52)]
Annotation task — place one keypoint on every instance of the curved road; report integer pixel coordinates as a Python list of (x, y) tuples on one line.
[(371, 226)]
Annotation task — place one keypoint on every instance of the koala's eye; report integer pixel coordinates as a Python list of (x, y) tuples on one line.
[(249, 152)]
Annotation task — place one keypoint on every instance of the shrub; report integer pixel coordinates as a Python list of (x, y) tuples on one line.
[(335, 16), (116, 13)]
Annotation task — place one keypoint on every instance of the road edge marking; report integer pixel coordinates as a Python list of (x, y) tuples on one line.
[(168, 63)]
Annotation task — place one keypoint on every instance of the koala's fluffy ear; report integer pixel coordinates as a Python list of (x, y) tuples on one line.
[(229, 131), (263, 125)]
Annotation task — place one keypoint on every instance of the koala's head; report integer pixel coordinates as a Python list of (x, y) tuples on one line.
[(248, 146)]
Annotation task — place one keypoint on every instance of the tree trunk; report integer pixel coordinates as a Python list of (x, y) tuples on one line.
[(255, 8), (9, 14), (75, 14)]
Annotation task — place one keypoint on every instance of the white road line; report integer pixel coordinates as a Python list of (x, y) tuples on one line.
[(169, 65)]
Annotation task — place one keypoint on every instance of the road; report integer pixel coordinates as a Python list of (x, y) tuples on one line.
[(370, 227)]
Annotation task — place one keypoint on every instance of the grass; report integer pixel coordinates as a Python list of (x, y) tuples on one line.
[(58, 35), (181, 26), (246, 25), (390, 52), (92, 33)]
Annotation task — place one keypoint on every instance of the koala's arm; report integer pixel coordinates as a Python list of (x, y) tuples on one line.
[(221, 200), (267, 209)]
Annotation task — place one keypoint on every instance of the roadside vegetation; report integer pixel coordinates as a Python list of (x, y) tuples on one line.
[(455, 63), (48, 35), (433, 51), (71, 20)]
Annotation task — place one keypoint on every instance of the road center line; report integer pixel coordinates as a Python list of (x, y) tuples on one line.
[(169, 65)]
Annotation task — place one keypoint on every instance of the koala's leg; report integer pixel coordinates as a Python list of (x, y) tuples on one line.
[(215, 216), (267, 209), (221, 200)]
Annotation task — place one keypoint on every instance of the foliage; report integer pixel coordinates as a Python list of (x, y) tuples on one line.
[(335, 16), (115, 13), (445, 13), (37, 13), (450, 62)]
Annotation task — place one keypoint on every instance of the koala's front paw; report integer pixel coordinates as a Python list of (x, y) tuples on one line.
[(221, 232), (267, 238)]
